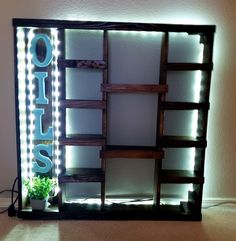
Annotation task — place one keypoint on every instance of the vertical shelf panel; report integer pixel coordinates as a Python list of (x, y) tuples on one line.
[(104, 113), (160, 116), (196, 196)]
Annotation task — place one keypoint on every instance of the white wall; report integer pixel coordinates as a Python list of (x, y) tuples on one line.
[(220, 158)]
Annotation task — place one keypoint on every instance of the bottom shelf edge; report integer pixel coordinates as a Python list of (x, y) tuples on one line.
[(85, 212)]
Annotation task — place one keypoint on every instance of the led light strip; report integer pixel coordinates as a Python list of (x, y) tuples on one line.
[(31, 106), (55, 102), (138, 33), (197, 91), (21, 75)]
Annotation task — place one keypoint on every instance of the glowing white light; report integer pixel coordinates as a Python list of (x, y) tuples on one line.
[(58, 162), (179, 34), (58, 152), (169, 201), (31, 174), (56, 142), (197, 91), (29, 55), (89, 201), (138, 33), (57, 171), (31, 135), (30, 77), (31, 156), (31, 107), (109, 201), (56, 53), (31, 97), (194, 123), (55, 96), (57, 189), (191, 158), (20, 34), (22, 108), (21, 65), (57, 104), (21, 44), (21, 55), (130, 201), (56, 74), (23, 137), (21, 70), (69, 156), (22, 76), (30, 165), (24, 172), (197, 86), (190, 188), (57, 115), (31, 34)]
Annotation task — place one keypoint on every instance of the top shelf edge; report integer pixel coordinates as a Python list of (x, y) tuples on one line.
[(100, 25)]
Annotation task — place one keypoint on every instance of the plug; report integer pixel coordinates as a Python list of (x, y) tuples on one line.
[(11, 211)]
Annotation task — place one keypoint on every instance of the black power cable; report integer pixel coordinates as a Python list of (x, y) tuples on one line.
[(11, 209)]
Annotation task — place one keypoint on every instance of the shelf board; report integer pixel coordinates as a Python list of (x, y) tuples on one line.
[(189, 66), (76, 175), (134, 88), (180, 176), (143, 152), (182, 141), (87, 64), (82, 140), (90, 104), (72, 211), (168, 105), (118, 26)]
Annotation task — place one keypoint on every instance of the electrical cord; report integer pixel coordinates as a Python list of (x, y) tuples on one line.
[(219, 204), (11, 209), (133, 201), (7, 190)]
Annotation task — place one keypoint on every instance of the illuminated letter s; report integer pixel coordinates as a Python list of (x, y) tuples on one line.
[(46, 163)]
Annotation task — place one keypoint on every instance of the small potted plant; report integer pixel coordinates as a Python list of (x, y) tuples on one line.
[(38, 189)]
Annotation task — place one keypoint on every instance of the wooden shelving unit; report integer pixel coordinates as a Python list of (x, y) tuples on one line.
[(187, 210)]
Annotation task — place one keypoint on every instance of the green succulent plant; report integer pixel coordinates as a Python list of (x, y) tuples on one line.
[(39, 187)]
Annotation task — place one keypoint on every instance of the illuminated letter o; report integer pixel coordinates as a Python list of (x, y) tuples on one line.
[(48, 45)]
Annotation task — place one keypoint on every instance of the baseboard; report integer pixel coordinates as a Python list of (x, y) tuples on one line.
[(208, 202), (5, 202)]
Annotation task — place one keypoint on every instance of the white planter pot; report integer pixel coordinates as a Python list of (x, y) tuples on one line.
[(38, 205)]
